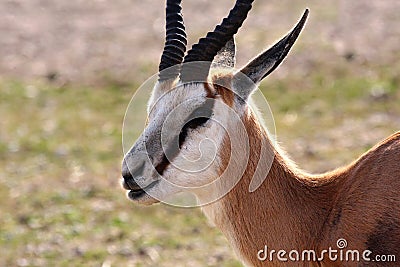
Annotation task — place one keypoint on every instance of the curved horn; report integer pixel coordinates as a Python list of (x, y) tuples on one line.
[(175, 41), (207, 47)]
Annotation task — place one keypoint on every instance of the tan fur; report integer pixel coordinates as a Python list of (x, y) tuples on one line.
[(296, 210), (221, 81), (291, 209)]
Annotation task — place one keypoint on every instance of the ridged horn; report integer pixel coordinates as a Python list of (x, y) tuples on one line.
[(175, 42), (207, 47)]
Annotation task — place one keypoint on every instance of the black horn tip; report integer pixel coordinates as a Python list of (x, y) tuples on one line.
[(207, 48)]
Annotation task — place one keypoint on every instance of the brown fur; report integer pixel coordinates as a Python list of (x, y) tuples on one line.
[(296, 210), (220, 83)]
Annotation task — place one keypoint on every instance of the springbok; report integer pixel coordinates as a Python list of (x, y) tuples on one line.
[(290, 209)]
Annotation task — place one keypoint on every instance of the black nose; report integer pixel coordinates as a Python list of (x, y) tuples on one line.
[(129, 175)]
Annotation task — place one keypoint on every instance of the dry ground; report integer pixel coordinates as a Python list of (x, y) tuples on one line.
[(80, 40)]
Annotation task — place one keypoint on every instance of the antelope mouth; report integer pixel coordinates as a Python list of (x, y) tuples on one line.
[(139, 193)]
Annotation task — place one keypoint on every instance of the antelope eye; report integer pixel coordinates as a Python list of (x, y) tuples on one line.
[(196, 122), (196, 119), (192, 124)]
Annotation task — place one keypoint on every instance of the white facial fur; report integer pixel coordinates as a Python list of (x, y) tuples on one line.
[(198, 162)]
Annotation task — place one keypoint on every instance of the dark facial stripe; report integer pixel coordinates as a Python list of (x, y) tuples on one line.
[(197, 118)]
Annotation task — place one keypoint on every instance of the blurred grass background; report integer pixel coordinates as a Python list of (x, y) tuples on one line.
[(69, 69)]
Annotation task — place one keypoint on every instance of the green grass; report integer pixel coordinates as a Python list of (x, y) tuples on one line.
[(327, 119), (61, 202), (60, 154)]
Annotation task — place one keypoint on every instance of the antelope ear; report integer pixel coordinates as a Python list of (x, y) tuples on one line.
[(265, 63), (226, 57)]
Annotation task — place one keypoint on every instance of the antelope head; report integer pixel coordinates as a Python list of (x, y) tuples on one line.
[(194, 139)]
